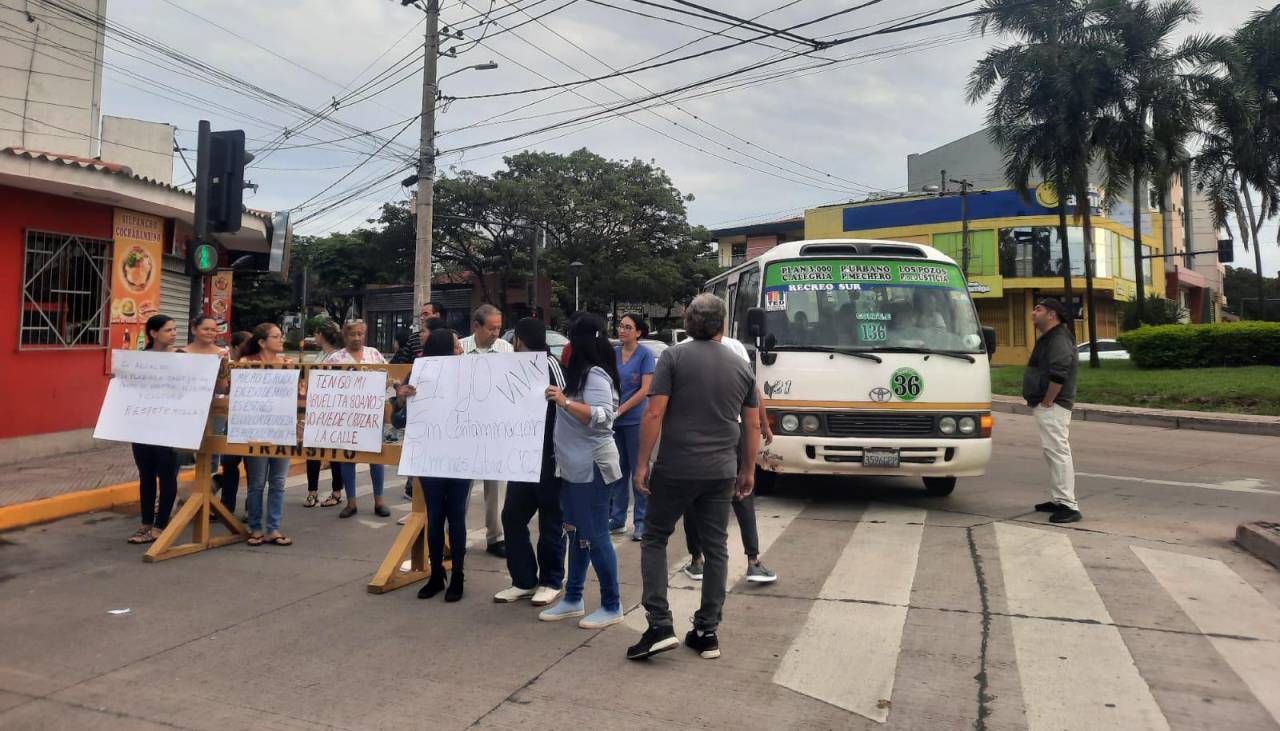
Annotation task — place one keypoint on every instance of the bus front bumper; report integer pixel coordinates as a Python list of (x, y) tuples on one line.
[(798, 455)]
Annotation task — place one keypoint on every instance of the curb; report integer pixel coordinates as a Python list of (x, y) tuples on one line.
[(1165, 419), (22, 515), (1262, 539)]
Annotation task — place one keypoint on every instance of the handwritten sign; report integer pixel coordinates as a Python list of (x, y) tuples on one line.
[(478, 417), (345, 409), (158, 398), (263, 406)]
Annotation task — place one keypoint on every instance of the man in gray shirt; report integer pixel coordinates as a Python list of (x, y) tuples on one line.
[(700, 391)]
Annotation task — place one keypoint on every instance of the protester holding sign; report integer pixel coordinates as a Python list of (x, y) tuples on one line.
[(537, 577), (266, 346), (330, 340), (486, 337), (587, 460), (157, 465), (228, 480), (355, 351), (446, 501)]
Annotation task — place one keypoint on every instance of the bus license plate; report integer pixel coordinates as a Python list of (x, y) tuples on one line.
[(880, 457)]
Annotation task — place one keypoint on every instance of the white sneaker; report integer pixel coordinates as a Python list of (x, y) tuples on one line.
[(404, 519), (545, 595), (512, 594)]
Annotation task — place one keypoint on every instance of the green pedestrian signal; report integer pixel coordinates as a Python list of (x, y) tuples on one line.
[(204, 259)]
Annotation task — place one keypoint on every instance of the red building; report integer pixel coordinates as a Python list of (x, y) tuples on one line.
[(60, 221)]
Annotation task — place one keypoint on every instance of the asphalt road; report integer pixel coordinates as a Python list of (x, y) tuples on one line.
[(893, 610)]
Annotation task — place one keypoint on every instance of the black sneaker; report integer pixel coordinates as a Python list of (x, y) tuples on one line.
[(1049, 507), (706, 644), (1065, 515), (498, 549), (653, 641), (434, 585)]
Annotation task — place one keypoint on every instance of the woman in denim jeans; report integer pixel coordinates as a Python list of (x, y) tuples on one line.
[(266, 346), (587, 460)]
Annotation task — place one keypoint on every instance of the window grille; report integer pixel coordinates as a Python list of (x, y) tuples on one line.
[(64, 291)]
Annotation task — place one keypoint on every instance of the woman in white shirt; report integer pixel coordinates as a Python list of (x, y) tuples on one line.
[(355, 351)]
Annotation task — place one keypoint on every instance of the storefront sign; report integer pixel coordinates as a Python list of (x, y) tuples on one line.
[(218, 304), (135, 278), (986, 287), (158, 398)]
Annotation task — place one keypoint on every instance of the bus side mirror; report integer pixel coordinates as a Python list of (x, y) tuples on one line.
[(989, 337), (756, 327)]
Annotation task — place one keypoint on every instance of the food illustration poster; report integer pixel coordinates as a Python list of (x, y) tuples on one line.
[(138, 249), (218, 304)]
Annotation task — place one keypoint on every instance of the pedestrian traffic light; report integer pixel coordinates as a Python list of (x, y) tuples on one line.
[(1226, 251), (227, 159), (202, 258)]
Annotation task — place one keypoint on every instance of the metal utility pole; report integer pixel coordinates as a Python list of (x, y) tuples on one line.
[(964, 223), (195, 305), (426, 160)]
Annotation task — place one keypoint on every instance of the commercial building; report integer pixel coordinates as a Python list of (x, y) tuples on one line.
[(93, 234), (1014, 250)]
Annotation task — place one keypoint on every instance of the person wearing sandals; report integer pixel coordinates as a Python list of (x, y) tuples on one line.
[(269, 473), (330, 341), (157, 465), (354, 351), (446, 498), (588, 464), (228, 479)]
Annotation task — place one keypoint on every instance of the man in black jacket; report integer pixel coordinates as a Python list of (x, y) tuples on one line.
[(1049, 386)]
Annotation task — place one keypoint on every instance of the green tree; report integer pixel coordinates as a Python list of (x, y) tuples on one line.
[(1051, 87), (1240, 132), (1155, 111)]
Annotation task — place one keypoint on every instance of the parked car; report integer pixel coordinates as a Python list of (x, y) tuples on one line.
[(671, 337), (1107, 350), (657, 346), (555, 341)]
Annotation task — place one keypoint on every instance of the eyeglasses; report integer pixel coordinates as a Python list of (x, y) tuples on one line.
[(626, 327)]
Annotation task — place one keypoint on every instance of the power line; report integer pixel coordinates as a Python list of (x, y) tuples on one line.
[(738, 22)]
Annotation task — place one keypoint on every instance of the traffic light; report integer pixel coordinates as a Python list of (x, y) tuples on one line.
[(202, 258), (226, 180), (1226, 251)]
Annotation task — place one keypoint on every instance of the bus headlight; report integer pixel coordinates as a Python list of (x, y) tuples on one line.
[(967, 425), (791, 423), (947, 425), (810, 424)]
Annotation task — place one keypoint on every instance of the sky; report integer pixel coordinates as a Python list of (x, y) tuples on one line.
[(756, 152)]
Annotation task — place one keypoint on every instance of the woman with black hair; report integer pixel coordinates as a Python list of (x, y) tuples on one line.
[(588, 465), (266, 474), (329, 340), (157, 465), (636, 364), (446, 500)]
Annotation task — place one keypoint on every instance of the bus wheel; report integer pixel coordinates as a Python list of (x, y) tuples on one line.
[(939, 486), (766, 481)]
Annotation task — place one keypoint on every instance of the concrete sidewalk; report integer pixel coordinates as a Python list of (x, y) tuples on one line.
[(1161, 418)]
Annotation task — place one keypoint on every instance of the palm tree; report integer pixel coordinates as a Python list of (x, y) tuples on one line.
[(1155, 113), (1051, 88), (1240, 135)]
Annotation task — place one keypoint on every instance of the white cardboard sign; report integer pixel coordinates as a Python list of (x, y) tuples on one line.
[(477, 417), (263, 406), (345, 409), (158, 398)]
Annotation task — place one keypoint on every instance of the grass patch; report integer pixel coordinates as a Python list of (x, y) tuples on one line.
[(1249, 390)]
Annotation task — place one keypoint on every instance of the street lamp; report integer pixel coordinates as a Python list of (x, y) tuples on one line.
[(478, 67), (576, 266)]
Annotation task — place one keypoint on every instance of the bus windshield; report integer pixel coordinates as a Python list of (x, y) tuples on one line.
[(869, 305)]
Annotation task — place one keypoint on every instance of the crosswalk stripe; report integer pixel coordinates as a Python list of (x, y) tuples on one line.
[(1219, 602), (773, 515), (1075, 668), (878, 564)]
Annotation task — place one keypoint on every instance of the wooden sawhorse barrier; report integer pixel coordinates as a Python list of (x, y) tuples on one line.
[(410, 544)]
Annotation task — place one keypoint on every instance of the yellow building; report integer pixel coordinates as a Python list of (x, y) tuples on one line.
[(1014, 253)]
